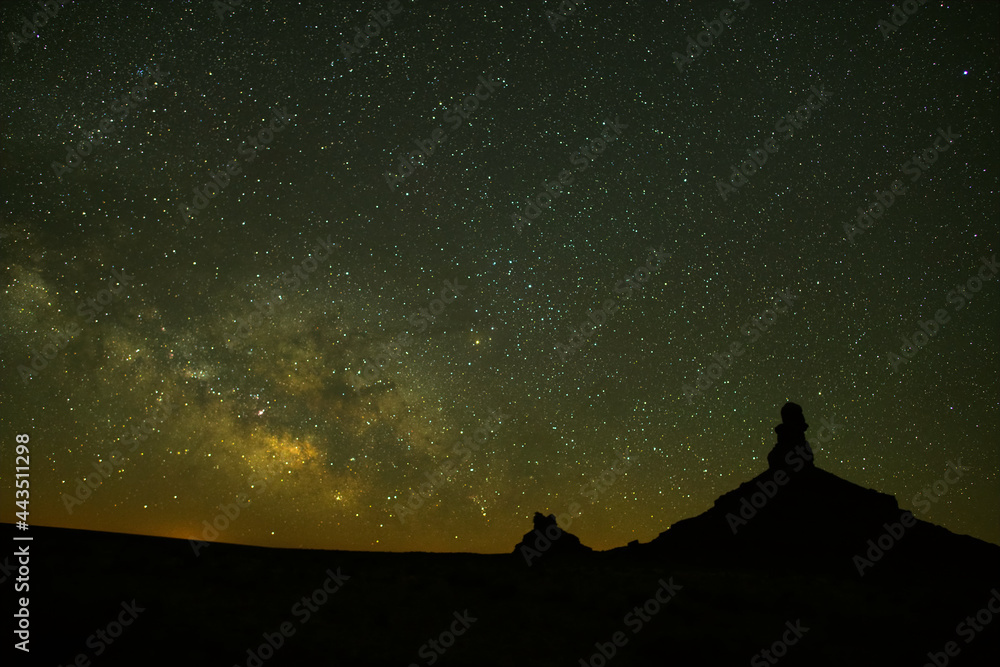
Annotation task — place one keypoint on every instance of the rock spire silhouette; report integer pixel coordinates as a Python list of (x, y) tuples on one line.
[(791, 439)]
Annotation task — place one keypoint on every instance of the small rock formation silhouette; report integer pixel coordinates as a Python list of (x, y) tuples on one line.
[(548, 541), (792, 442)]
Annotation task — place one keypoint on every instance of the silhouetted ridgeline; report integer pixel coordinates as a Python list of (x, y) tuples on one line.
[(794, 567)]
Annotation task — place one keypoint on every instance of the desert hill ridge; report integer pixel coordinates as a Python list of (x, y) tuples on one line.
[(775, 555), (796, 515)]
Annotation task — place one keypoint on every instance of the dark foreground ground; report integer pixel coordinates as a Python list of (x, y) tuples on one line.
[(212, 608)]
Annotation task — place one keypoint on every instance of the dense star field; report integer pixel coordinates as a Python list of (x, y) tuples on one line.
[(397, 275)]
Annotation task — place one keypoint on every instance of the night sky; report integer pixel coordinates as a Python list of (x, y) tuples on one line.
[(260, 291)]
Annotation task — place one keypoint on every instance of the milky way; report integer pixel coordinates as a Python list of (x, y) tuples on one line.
[(404, 278)]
